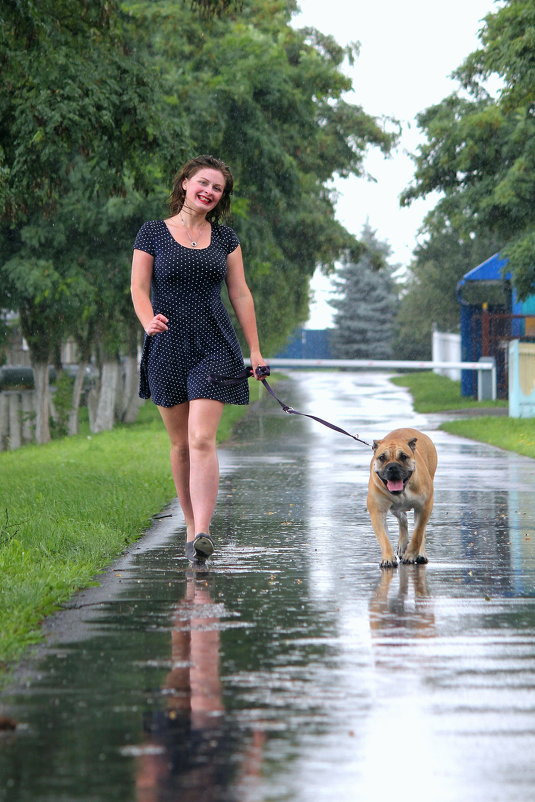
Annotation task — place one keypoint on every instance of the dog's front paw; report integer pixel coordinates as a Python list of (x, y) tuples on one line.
[(414, 559), (391, 563)]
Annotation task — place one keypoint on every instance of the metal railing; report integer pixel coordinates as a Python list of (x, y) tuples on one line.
[(486, 369), (375, 363)]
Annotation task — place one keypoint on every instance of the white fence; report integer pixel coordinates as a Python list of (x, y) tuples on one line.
[(446, 347), (378, 364), (17, 418), (486, 368)]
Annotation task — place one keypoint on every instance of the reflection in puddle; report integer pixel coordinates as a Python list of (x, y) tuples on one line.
[(521, 512), (409, 608), (186, 754)]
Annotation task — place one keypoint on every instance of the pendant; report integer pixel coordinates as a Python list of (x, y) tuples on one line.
[(193, 244)]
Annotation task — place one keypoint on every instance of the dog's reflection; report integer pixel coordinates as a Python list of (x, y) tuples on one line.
[(408, 606), (193, 753)]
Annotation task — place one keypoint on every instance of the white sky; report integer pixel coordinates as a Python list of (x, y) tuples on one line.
[(409, 48)]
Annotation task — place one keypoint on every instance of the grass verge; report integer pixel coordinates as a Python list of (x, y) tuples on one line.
[(70, 507), (513, 434), (432, 393)]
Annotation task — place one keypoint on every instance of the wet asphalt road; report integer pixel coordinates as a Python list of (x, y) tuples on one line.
[(294, 668)]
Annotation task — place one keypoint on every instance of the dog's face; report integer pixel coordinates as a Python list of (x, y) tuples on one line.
[(394, 463)]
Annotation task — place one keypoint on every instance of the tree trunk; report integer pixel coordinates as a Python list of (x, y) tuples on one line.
[(92, 404), (28, 416), (40, 339), (105, 408), (42, 402), (58, 369), (4, 421), (74, 422), (15, 421), (84, 344), (131, 400)]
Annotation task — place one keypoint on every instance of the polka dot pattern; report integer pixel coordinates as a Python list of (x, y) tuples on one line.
[(186, 288)]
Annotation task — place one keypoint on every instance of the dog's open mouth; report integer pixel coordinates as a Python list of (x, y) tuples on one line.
[(395, 484)]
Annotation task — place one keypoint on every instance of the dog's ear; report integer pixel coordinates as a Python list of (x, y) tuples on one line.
[(376, 444), (412, 443)]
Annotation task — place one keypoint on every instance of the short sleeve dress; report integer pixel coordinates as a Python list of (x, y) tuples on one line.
[(176, 365)]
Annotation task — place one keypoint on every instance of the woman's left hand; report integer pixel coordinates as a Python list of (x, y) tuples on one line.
[(256, 362)]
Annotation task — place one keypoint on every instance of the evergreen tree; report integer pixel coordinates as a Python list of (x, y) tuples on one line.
[(365, 308)]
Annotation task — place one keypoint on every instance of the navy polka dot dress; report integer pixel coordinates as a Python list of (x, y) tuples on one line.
[(186, 288)]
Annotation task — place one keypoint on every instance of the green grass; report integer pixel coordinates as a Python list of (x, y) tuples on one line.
[(432, 393), (513, 434), (70, 507)]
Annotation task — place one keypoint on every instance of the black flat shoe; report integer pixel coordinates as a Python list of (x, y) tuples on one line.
[(190, 551), (203, 546)]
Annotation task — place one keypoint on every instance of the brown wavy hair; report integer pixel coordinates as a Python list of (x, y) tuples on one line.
[(178, 193)]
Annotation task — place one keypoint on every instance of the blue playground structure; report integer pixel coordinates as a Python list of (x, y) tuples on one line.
[(486, 328)]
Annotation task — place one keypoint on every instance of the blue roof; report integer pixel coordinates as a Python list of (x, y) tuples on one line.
[(489, 270)]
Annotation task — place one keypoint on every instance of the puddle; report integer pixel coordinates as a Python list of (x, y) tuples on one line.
[(294, 669)]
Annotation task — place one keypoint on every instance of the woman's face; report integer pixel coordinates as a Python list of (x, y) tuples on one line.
[(204, 189)]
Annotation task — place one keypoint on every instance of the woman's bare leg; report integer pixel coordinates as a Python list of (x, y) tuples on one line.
[(176, 423), (192, 429), (204, 417)]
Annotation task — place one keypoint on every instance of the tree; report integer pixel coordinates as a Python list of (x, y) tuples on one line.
[(428, 291), (480, 149), (269, 100), (78, 122), (363, 323), (73, 90), (101, 102)]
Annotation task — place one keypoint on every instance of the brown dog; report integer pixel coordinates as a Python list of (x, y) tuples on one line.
[(401, 478)]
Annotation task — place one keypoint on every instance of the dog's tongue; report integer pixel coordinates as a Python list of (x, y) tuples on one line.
[(394, 487)]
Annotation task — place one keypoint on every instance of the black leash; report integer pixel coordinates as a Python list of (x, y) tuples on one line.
[(265, 371)]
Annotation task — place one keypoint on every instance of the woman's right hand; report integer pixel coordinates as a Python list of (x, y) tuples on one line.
[(157, 325)]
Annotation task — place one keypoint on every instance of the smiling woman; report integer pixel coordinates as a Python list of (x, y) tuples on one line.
[(195, 179), (178, 268), (201, 194)]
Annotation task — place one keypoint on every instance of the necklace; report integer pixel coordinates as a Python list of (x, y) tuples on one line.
[(193, 242)]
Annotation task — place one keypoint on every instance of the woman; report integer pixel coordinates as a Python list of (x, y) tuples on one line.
[(181, 263)]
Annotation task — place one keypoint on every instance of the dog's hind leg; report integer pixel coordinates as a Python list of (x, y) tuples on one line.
[(403, 531)]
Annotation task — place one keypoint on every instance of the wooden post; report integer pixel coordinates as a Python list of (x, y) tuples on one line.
[(15, 423), (105, 412), (42, 401), (28, 416), (4, 421)]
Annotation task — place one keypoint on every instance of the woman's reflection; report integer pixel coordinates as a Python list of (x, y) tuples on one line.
[(194, 754)]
